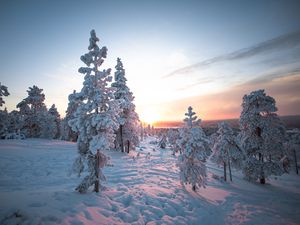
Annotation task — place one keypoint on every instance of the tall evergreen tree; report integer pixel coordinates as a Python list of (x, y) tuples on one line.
[(261, 137), (195, 149), (129, 121), (96, 117)]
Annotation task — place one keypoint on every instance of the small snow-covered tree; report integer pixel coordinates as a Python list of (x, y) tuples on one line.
[(261, 137), (195, 149), (67, 133), (225, 149), (293, 147), (3, 92), (35, 113), (3, 113), (96, 117), (173, 136), (56, 117), (16, 122), (4, 123), (128, 131), (163, 141)]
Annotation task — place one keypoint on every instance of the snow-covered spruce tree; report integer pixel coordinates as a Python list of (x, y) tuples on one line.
[(261, 137), (4, 123), (226, 152), (54, 113), (66, 131), (142, 131), (195, 149), (3, 113), (16, 122), (3, 92), (96, 117), (173, 136), (34, 112), (128, 132), (293, 147), (163, 141)]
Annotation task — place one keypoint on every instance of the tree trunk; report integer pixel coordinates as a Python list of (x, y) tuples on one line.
[(262, 174), (121, 136), (296, 163), (225, 175), (128, 146), (194, 187), (229, 168), (97, 164)]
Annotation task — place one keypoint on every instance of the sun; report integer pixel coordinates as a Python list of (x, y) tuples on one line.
[(149, 116)]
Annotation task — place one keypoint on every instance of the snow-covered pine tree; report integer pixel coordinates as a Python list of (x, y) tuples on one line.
[(261, 137), (3, 113), (293, 147), (4, 123), (3, 92), (35, 113), (66, 131), (195, 149), (163, 141), (142, 131), (128, 131), (54, 113), (96, 117), (226, 152), (173, 136)]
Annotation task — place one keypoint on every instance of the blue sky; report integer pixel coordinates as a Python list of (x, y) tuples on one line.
[(42, 41)]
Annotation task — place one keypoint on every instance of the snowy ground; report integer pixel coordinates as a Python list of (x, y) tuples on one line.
[(35, 189)]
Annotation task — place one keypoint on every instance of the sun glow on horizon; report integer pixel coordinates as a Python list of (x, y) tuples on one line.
[(149, 116)]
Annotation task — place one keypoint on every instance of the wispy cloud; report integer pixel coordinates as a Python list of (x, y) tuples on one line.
[(203, 80), (288, 41), (227, 103)]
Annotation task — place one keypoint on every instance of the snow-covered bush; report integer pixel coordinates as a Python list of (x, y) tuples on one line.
[(195, 149), (226, 152), (261, 137), (96, 117)]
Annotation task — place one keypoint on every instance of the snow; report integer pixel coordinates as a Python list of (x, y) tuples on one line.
[(142, 188)]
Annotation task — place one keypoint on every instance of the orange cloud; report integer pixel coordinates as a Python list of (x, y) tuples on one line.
[(227, 104)]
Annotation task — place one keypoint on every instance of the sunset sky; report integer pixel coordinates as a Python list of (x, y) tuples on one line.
[(206, 54)]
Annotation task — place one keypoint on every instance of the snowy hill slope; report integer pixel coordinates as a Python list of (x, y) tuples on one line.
[(141, 188)]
